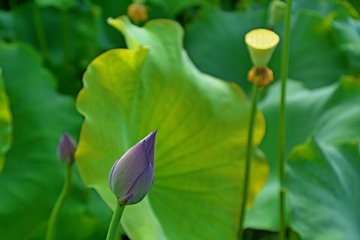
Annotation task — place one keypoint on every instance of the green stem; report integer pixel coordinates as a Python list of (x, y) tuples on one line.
[(115, 221), (118, 233), (249, 152), (52, 224), (66, 34), (284, 75), (15, 19), (40, 31)]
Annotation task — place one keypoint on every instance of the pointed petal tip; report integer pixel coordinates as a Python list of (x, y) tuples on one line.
[(67, 136), (151, 135), (150, 139)]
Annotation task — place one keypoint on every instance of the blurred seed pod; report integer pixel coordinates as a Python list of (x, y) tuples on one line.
[(261, 77), (137, 12)]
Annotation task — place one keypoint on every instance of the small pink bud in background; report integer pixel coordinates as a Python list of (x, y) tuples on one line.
[(66, 149)]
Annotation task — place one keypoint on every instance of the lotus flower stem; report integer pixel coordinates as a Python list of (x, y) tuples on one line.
[(249, 151), (66, 35), (284, 75), (51, 228), (15, 19), (40, 31), (115, 221)]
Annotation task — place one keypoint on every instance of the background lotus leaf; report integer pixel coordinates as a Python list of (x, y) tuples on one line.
[(356, 5), (5, 123), (325, 8), (32, 176), (348, 35), (202, 130), (72, 38), (322, 181), (343, 17), (332, 112), (324, 171), (216, 45)]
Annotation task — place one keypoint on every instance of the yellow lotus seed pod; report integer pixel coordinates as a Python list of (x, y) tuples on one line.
[(261, 44)]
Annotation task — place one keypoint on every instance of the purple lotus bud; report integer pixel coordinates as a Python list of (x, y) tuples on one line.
[(132, 176), (66, 149)]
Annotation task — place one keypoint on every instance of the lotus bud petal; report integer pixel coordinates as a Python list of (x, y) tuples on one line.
[(261, 44), (66, 149), (132, 176)]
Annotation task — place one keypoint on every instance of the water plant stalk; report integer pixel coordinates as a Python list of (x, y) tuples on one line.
[(249, 152), (284, 76), (52, 224), (15, 19), (115, 222), (40, 31), (66, 34)]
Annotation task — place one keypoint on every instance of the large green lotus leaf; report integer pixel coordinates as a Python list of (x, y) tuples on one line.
[(5, 123), (332, 112), (216, 45), (202, 133), (322, 181), (33, 176)]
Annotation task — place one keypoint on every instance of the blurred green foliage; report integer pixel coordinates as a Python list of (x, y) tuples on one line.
[(33, 175), (332, 113), (321, 181), (5, 123), (315, 57), (46, 47)]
